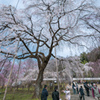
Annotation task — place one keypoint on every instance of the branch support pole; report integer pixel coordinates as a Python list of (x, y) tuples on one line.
[(57, 74), (11, 71)]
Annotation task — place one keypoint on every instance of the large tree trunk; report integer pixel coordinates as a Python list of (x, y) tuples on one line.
[(38, 83), (42, 65)]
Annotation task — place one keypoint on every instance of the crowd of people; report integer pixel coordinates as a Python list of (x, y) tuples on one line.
[(89, 88), (95, 91), (93, 88)]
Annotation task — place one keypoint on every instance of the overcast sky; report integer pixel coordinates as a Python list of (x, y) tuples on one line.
[(12, 2), (63, 51)]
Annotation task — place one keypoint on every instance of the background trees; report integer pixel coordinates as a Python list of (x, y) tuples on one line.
[(4, 71), (83, 58), (96, 68), (94, 55)]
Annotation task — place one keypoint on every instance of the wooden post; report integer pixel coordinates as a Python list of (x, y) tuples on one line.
[(11, 72), (57, 74)]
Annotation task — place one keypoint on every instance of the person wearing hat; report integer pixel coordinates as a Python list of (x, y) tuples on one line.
[(95, 92)]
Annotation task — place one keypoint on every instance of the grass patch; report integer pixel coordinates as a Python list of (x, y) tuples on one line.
[(22, 95), (18, 95)]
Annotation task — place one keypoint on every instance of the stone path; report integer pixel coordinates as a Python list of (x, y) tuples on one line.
[(76, 97)]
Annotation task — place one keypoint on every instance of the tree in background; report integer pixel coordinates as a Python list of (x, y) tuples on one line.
[(96, 68), (4, 71), (83, 58), (94, 55), (5, 67), (40, 28)]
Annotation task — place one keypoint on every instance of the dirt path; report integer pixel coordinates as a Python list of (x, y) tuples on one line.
[(76, 97)]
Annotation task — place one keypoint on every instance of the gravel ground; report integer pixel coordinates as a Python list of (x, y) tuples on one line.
[(76, 97)]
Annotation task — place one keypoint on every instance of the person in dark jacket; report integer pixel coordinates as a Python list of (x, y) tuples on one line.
[(86, 86), (55, 94), (44, 93), (81, 93)]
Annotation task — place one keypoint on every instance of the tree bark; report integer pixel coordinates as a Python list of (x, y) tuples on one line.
[(38, 84), (41, 65)]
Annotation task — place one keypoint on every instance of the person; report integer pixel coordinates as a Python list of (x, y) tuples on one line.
[(74, 88), (44, 93), (51, 85), (95, 92), (67, 92), (81, 93), (86, 86), (77, 87), (91, 85), (55, 94)]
